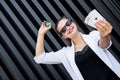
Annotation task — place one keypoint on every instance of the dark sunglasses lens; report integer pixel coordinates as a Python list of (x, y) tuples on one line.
[(68, 22), (63, 29)]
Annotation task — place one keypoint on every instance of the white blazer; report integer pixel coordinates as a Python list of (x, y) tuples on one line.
[(66, 56)]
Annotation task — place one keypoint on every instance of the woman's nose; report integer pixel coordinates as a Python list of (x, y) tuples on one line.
[(68, 27)]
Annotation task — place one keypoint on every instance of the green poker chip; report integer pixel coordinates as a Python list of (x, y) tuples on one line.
[(48, 24)]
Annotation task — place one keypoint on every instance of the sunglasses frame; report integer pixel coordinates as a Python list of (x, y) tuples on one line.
[(68, 23)]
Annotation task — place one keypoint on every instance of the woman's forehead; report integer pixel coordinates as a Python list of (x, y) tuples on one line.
[(62, 22)]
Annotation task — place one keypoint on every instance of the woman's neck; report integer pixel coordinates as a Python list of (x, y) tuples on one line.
[(79, 42), (77, 38)]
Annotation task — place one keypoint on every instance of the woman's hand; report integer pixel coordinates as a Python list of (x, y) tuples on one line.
[(43, 29), (105, 28)]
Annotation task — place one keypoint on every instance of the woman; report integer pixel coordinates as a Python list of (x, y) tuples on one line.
[(86, 57)]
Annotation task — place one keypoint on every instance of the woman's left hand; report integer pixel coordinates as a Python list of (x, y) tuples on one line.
[(104, 27)]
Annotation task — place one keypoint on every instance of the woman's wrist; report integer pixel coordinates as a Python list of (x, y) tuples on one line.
[(40, 33)]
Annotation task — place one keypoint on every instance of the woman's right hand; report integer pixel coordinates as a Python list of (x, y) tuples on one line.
[(43, 29)]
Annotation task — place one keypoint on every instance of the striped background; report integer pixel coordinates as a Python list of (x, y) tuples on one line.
[(20, 21)]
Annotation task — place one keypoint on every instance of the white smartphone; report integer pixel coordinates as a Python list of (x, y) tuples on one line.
[(93, 17)]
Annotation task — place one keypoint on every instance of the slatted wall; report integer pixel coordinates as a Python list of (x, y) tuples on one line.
[(20, 21)]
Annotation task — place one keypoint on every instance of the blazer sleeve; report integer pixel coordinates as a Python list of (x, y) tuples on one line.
[(50, 58), (96, 36)]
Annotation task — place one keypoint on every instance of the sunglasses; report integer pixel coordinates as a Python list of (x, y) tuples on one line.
[(68, 23)]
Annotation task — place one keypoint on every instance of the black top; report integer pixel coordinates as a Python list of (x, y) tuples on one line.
[(92, 67)]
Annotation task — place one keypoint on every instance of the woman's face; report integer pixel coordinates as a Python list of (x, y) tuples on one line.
[(67, 28)]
